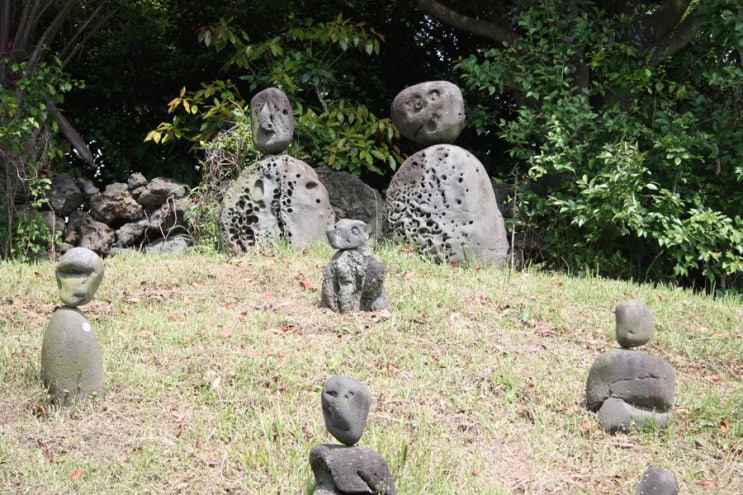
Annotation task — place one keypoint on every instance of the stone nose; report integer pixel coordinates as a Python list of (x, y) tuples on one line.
[(265, 118)]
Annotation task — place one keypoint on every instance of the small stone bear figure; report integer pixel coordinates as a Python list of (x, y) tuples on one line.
[(71, 361), (628, 387), (655, 481), (353, 280), (348, 469)]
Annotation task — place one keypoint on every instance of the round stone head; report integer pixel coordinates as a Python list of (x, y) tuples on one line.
[(345, 405), (271, 120), (79, 273), (347, 234), (635, 324), (429, 113)]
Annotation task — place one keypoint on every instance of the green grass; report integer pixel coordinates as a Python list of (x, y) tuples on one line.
[(214, 368)]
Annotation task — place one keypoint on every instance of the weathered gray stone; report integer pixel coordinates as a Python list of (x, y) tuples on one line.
[(272, 121), (82, 230), (173, 246), (352, 198), (136, 181), (345, 406), (277, 197), (633, 376), (347, 234), (71, 361), (87, 187), (53, 222), (429, 113), (115, 205), (131, 234), (616, 415), (656, 481), (353, 280), (442, 202), (79, 273), (64, 196), (342, 470), (635, 324), (158, 191)]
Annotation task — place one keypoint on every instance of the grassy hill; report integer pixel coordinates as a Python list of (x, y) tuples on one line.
[(214, 368)]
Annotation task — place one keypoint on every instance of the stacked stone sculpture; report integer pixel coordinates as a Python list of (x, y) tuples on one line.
[(656, 481), (630, 388), (353, 280), (278, 196), (441, 199), (348, 469), (71, 361)]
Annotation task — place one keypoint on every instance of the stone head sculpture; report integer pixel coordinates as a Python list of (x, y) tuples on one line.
[(429, 113), (635, 324), (347, 234), (271, 120), (345, 405), (79, 273)]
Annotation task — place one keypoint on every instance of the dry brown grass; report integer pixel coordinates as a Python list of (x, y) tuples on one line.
[(214, 368)]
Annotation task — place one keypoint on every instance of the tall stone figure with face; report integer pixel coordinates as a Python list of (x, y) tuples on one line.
[(441, 199), (278, 197), (71, 361)]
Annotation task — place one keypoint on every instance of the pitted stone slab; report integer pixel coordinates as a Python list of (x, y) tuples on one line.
[(277, 197), (441, 201)]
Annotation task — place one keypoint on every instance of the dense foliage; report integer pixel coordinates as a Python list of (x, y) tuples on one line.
[(634, 171), (616, 123)]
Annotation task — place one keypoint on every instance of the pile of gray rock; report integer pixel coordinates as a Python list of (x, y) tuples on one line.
[(630, 388), (136, 214), (348, 469)]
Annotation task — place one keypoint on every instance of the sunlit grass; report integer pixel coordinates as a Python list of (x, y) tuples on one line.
[(214, 368)]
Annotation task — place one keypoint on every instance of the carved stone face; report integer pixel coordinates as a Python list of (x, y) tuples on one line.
[(345, 405), (347, 234), (429, 113), (79, 274), (271, 120)]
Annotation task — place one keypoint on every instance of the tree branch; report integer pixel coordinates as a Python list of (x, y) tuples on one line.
[(676, 39), (500, 33)]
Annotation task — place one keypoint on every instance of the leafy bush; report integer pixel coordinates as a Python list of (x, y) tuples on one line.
[(27, 149), (313, 64), (642, 160)]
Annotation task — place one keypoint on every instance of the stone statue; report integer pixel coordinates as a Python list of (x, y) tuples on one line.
[(441, 199), (353, 280), (348, 469), (71, 361), (630, 388), (278, 196), (271, 120)]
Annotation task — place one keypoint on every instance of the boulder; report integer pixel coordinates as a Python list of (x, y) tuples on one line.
[(277, 197), (352, 198), (341, 470), (115, 206), (64, 196), (83, 230), (441, 201), (158, 191), (656, 481)]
